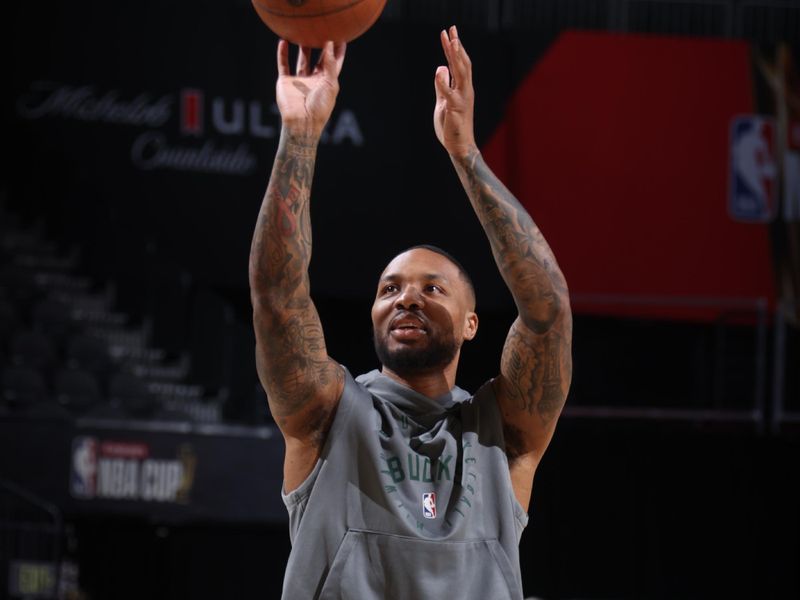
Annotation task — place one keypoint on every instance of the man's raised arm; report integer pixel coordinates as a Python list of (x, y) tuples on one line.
[(536, 366), (302, 382)]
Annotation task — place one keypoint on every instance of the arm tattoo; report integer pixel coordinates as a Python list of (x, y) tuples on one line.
[(525, 260), (292, 356), (535, 367)]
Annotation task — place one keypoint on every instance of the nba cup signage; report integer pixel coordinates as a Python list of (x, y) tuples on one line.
[(753, 186), (125, 470)]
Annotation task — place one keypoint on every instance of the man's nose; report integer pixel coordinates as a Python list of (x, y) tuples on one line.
[(409, 298)]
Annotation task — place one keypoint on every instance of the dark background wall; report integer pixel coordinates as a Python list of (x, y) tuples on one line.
[(625, 505)]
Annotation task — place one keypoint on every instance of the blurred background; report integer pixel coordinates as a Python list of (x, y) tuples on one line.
[(657, 145)]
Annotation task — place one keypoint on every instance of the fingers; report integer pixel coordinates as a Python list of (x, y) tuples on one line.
[(457, 58), (283, 58), (303, 61), (441, 83), (331, 59), (445, 39), (339, 50)]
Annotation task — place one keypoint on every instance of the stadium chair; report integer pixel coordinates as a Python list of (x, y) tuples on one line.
[(47, 410), (33, 349), (77, 391), (22, 388), (131, 393), (19, 285), (88, 353), (172, 415), (107, 411), (9, 319), (9, 324), (53, 318)]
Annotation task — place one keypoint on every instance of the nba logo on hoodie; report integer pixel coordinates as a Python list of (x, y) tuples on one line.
[(429, 505)]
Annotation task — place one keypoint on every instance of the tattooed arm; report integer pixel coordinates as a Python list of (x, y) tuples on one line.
[(302, 382), (536, 365)]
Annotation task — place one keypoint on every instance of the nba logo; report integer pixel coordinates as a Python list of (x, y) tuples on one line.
[(429, 505), (83, 479), (753, 169)]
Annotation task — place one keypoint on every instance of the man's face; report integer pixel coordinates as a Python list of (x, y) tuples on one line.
[(423, 312)]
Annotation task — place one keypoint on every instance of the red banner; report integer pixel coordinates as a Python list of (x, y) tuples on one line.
[(619, 147)]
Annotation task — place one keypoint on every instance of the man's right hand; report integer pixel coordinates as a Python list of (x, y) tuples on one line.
[(306, 99), (302, 382)]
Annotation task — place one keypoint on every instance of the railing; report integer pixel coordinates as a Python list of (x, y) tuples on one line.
[(785, 365), (30, 544), (766, 21), (721, 369)]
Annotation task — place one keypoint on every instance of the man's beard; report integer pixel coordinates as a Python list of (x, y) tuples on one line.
[(408, 360)]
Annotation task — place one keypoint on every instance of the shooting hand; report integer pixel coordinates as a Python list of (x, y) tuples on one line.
[(306, 99)]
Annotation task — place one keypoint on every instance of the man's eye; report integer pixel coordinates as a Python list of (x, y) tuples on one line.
[(389, 289), (433, 288)]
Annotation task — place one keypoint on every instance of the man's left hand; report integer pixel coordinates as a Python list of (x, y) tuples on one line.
[(455, 98)]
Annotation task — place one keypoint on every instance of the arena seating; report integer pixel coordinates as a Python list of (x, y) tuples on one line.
[(67, 352)]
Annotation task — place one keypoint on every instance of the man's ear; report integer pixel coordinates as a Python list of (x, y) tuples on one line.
[(470, 325)]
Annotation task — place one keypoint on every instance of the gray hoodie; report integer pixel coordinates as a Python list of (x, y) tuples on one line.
[(410, 499)]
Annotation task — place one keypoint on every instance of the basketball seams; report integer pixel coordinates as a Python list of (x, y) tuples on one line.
[(313, 22), (296, 15)]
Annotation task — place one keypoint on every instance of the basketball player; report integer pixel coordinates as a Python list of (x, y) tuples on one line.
[(398, 483)]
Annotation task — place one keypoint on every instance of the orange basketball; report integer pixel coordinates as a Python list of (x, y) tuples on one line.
[(313, 22)]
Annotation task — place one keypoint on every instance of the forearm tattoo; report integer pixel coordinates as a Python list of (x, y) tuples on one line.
[(292, 354), (523, 256)]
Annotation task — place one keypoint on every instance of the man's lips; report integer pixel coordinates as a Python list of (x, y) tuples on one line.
[(407, 322), (407, 327), (407, 334)]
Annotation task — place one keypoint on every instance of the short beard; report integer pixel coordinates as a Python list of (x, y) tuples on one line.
[(408, 360)]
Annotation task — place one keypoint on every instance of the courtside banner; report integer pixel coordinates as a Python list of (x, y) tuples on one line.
[(233, 474)]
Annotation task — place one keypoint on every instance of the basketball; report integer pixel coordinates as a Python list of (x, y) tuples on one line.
[(313, 22)]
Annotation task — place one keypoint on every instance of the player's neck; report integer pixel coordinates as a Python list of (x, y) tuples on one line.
[(433, 383)]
